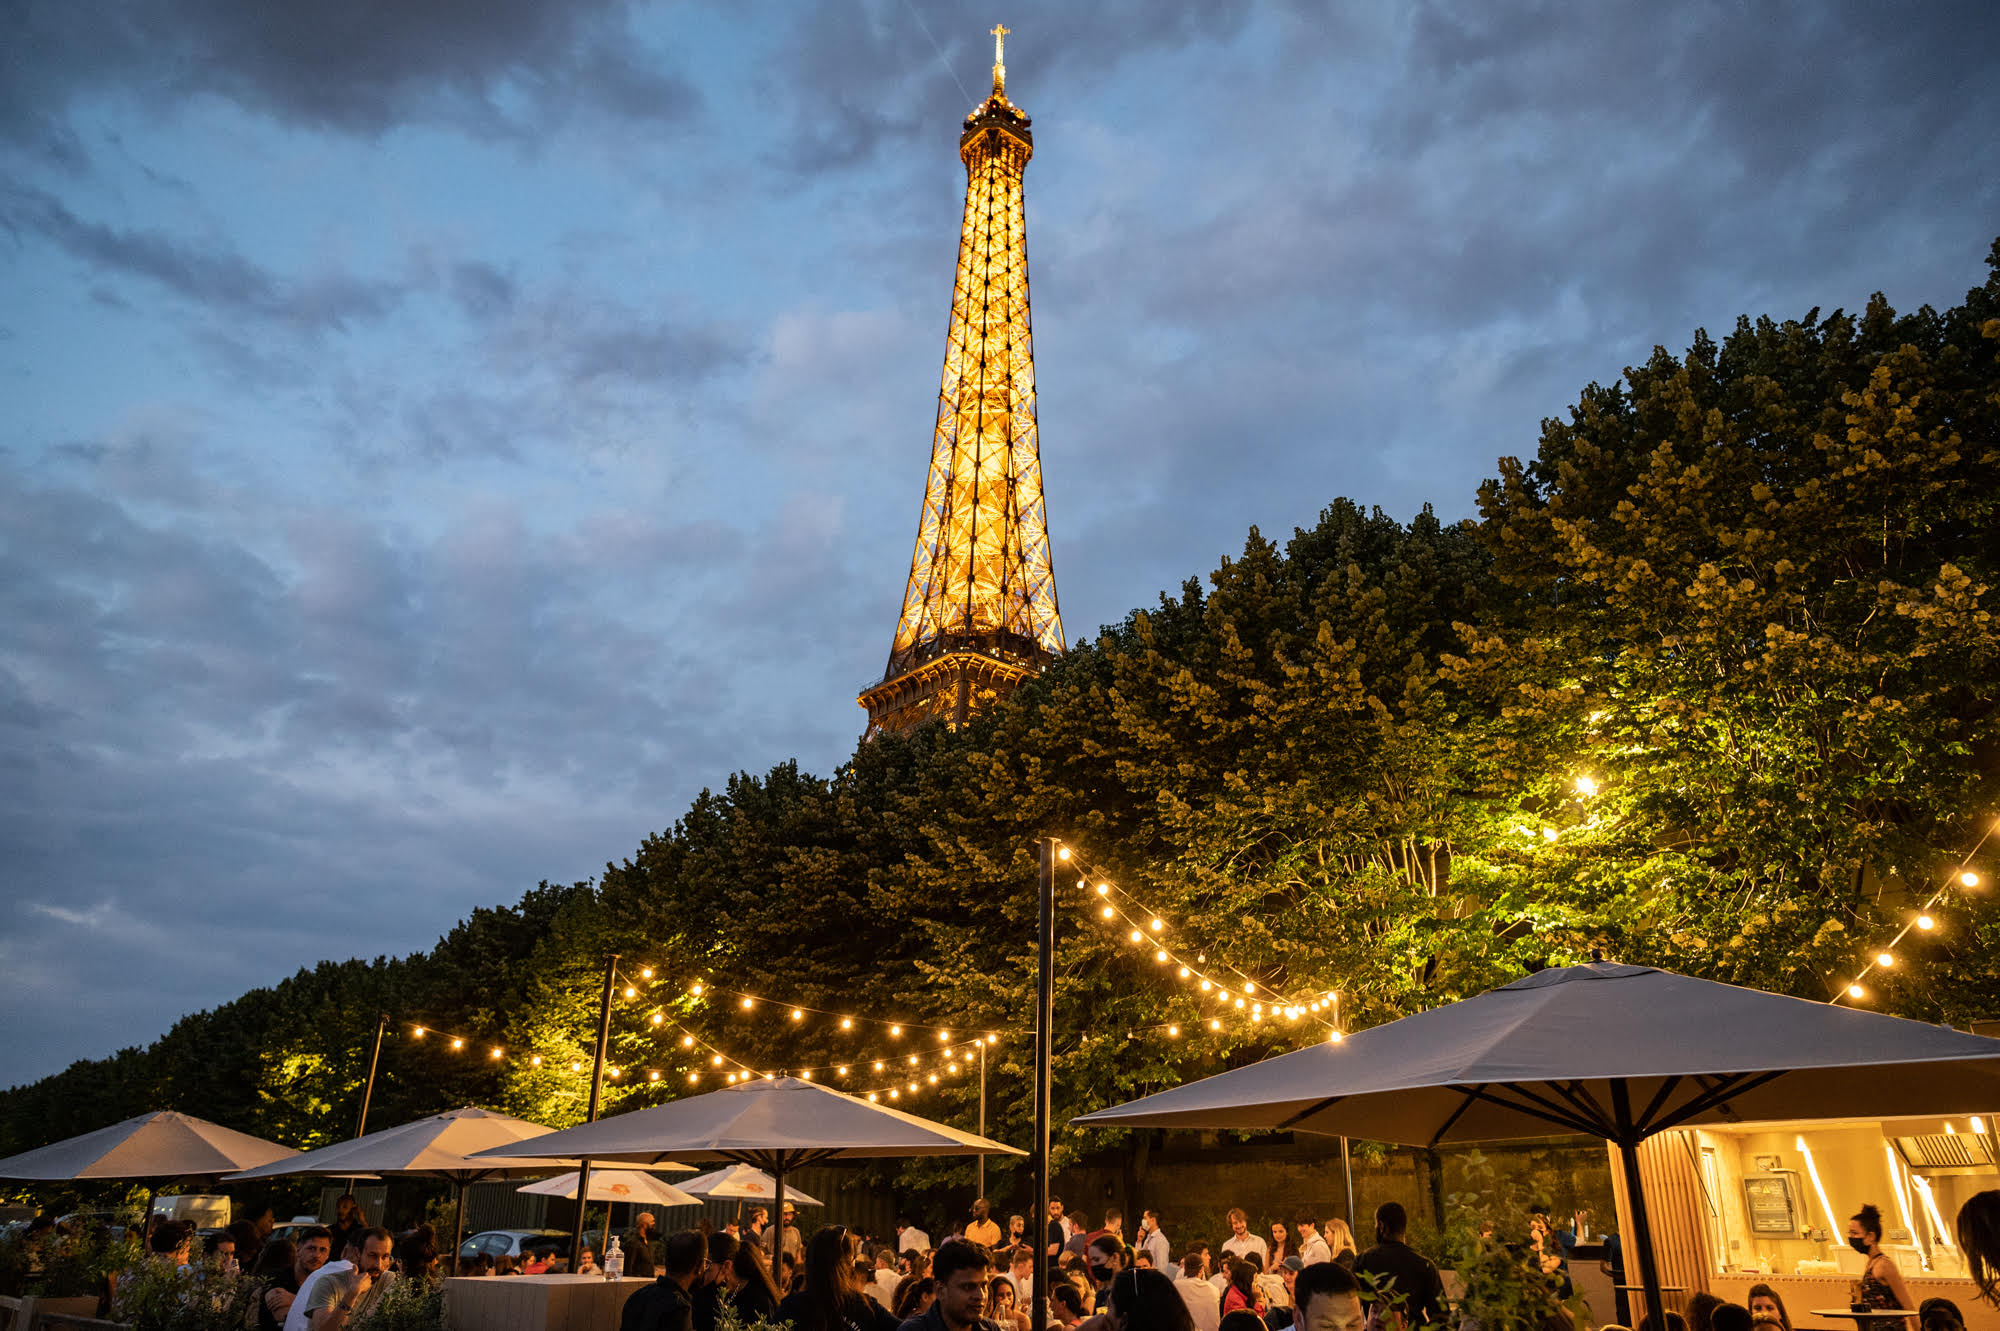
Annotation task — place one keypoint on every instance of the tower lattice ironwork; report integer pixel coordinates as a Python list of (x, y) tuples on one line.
[(979, 609)]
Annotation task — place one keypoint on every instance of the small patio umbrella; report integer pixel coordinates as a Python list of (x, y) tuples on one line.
[(615, 1185), (435, 1147), (776, 1125), (1618, 1052), (745, 1184), (157, 1147)]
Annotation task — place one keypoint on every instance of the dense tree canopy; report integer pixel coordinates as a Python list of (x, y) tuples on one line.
[(1711, 683)]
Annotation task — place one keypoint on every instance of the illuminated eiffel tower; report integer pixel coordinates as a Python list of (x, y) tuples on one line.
[(979, 611)]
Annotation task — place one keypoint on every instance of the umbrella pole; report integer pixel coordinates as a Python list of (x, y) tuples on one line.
[(1347, 1167), (457, 1225), (778, 1219), (1045, 984), (596, 1092), (1635, 1197)]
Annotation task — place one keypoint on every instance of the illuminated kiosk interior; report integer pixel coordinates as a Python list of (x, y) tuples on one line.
[(979, 609), (1768, 1203)]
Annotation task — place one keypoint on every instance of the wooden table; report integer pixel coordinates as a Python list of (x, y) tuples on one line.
[(536, 1303)]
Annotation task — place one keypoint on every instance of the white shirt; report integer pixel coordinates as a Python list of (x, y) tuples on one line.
[(295, 1320), (1316, 1249), (882, 1288), (1236, 1247), (1156, 1244), (1204, 1304), (912, 1238)]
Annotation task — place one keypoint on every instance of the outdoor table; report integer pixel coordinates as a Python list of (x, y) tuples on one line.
[(1865, 1318), (536, 1303)]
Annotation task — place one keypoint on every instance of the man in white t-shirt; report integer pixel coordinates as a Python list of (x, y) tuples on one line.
[(908, 1236), (888, 1275), (334, 1294), (1241, 1240), (1204, 1301), (1021, 1270), (1313, 1247)]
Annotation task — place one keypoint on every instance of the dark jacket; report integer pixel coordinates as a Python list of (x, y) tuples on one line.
[(859, 1314), (752, 1302), (1414, 1277), (660, 1306), (638, 1255)]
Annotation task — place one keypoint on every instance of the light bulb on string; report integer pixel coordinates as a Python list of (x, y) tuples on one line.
[(933, 1079), (1104, 889), (1107, 912), (1138, 937), (1184, 972), (847, 1023), (630, 992), (687, 1042), (1174, 1031), (576, 1067), (840, 1072), (653, 1076), (1214, 1024), (646, 973), (1885, 959), (1161, 956), (1062, 852), (894, 1094), (798, 1015), (657, 1018), (1206, 986), (913, 1060), (1855, 990), (694, 1078), (748, 1002), (895, 1032), (716, 1061), (1334, 1037), (878, 1065), (1926, 922), (457, 1043), (943, 1036), (1157, 925), (535, 1062), (873, 1098), (1969, 879), (496, 1051), (420, 1033), (695, 989)]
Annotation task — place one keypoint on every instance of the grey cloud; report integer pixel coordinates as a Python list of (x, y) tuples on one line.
[(211, 276), (358, 68)]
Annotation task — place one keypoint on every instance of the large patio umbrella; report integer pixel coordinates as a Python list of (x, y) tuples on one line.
[(155, 1147), (1618, 1052), (440, 1147), (776, 1125), (633, 1186)]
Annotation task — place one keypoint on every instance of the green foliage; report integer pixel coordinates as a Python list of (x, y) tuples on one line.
[(1746, 592), (159, 1296), (1486, 1240), (60, 1266), (406, 1305)]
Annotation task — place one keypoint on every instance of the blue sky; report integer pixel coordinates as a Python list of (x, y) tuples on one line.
[(440, 439)]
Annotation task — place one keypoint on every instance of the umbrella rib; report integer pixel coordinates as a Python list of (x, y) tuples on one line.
[(1285, 1125), (1574, 1092), (1660, 1097), (1470, 1094), (1738, 1085), (1537, 1107)]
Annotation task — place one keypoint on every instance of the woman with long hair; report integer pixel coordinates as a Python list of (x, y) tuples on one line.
[(1881, 1284), (1281, 1245), (1768, 1309), (1979, 1239), (751, 1291), (1143, 1299), (914, 1297), (830, 1298), (1339, 1237), (1003, 1304), (1241, 1291)]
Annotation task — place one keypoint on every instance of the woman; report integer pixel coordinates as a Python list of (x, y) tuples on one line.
[(1340, 1241), (1979, 1240), (1767, 1308), (586, 1265), (1145, 1300), (275, 1286), (1881, 1284), (1002, 1304), (1281, 1245), (1240, 1294), (751, 1291), (829, 1298), (914, 1297)]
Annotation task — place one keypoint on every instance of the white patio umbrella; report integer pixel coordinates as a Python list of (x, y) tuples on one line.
[(1618, 1052), (615, 1185), (745, 1184), (441, 1147), (159, 1146), (777, 1125)]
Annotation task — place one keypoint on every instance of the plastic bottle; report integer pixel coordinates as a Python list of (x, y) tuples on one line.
[(614, 1260)]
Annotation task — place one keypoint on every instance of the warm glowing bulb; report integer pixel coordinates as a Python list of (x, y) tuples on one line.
[(657, 1018), (1548, 834), (746, 1003), (840, 1072), (1885, 959), (652, 1076), (993, 1039), (1969, 878), (1239, 1002), (687, 1042), (913, 1060), (895, 1094), (873, 1098), (457, 1043), (694, 1078), (1257, 1008), (1107, 912), (1206, 986), (933, 1079), (496, 1051), (646, 973), (1185, 972), (1926, 922), (1256, 1016), (420, 1032), (614, 1074), (878, 1065), (695, 988), (1334, 1037), (847, 1023), (1586, 785), (895, 1031), (576, 1067), (535, 1062), (1855, 990), (716, 1061), (630, 992), (1249, 988), (1160, 956), (1062, 852), (1174, 1031), (1157, 925), (1104, 889), (732, 1079), (767, 1076), (1214, 1025), (797, 1015), (943, 1036), (1137, 936)]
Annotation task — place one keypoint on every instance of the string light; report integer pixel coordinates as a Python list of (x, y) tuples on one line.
[(1885, 959)]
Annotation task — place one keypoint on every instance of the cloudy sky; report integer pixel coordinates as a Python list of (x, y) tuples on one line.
[(438, 439)]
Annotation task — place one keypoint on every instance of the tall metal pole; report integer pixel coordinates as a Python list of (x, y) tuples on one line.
[(1347, 1167), (368, 1091), (596, 1093), (982, 1111), (1641, 1244), (1045, 988)]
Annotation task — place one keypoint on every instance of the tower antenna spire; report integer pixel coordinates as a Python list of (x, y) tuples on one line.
[(1000, 31)]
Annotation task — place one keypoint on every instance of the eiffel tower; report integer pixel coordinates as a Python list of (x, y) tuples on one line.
[(979, 610)]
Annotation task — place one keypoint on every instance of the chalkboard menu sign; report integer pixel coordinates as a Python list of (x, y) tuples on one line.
[(1769, 1203)]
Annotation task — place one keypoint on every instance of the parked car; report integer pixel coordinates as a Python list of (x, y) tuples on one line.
[(498, 1243)]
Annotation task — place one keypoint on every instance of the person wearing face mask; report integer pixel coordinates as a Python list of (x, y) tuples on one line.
[(1328, 1298), (1881, 1284), (1767, 1310), (1106, 1255)]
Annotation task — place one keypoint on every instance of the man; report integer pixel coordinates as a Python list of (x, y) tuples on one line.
[(337, 1291), (788, 1235), (1328, 1299), (888, 1274), (1066, 1305), (222, 1252), (668, 1303), (1613, 1265), (961, 1270), (982, 1230), (348, 1221), (1241, 1242), (760, 1220), (274, 1305), (1313, 1247), (1114, 1224), (1106, 1255), (1021, 1270), (1399, 1268), (1204, 1302), (1080, 1232), (1153, 1241), (638, 1247), (908, 1236), (1057, 1233)]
